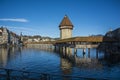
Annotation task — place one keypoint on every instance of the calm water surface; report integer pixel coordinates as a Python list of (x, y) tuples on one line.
[(91, 64)]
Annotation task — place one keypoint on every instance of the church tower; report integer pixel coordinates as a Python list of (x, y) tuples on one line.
[(66, 28)]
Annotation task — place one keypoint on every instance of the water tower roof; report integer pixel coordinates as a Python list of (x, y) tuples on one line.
[(66, 22)]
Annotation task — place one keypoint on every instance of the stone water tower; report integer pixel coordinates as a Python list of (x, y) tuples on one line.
[(66, 28)]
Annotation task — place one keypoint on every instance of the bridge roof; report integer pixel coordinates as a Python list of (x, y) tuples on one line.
[(87, 39), (78, 39)]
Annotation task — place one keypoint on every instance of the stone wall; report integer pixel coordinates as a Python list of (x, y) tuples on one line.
[(65, 33), (47, 47)]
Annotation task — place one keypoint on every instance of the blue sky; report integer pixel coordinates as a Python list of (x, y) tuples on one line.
[(42, 17)]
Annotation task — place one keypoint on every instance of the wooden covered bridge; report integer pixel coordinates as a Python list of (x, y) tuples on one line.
[(83, 42), (87, 39), (91, 40), (65, 45)]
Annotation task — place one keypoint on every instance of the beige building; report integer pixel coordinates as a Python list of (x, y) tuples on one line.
[(4, 35), (66, 28)]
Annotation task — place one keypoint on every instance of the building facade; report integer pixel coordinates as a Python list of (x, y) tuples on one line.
[(8, 37), (66, 28), (4, 33)]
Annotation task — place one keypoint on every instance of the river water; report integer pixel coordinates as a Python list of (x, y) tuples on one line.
[(96, 64)]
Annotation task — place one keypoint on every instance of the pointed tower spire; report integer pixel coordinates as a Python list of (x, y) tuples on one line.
[(66, 22)]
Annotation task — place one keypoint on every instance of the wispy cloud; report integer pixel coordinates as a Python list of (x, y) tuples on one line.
[(14, 19)]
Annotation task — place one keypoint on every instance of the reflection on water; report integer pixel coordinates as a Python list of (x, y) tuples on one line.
[(80, 61), (86, 62), (7, 54), (3, 56)]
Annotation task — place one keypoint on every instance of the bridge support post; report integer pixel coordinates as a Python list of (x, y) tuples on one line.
[(96, 54), (68, 50), (75, 50), (84, 50), (63, 49), (55, 48), (60, 49), (88, 52)]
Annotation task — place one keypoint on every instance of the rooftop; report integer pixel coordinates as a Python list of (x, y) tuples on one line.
[(87, 39), (66, 22)]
